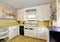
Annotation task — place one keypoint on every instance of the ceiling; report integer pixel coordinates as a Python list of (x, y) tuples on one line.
[(24, 3)]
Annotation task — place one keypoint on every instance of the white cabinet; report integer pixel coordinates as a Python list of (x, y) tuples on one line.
[(29, 32), (37, 32), (43, 33), (13, 31), (40, 33), (20, 14), (42, 13)]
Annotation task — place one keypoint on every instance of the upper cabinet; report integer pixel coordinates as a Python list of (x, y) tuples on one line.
[(7, 13), (20, 14), (42, 13)]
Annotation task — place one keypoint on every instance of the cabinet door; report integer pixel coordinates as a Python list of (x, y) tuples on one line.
[(43, 12), (20, 14), (37, 32), (46, 12), (43, 34), (28, 33), (40, 33), (13, 31), (31, 33)]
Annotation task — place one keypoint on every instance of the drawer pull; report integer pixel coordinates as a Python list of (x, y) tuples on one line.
[(26, 28), (31, 28)]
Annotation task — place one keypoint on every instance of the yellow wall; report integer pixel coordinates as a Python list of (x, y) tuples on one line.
[(8, 22), (44, 23), (21, 23), (40, 23)]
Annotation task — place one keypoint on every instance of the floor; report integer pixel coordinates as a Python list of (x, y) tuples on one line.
[(25, 39)]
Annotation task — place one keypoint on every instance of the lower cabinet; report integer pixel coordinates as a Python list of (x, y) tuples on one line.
[(13, 31), (36, 32), (29, 32)]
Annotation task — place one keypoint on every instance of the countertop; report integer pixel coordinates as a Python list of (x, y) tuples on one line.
[(55, 28)]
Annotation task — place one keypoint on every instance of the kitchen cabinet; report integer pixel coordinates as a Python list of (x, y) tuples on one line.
[(13, 31), (41, 33), (29, 31), (20, 14), (7, 13), (42, 13), (36, 32)]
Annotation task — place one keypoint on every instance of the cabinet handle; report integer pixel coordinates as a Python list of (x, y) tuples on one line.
[(31, 28), (26, 28)]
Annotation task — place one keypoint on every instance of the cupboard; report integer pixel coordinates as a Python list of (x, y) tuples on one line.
[(13, 31), (43, 12), (37, 32)]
